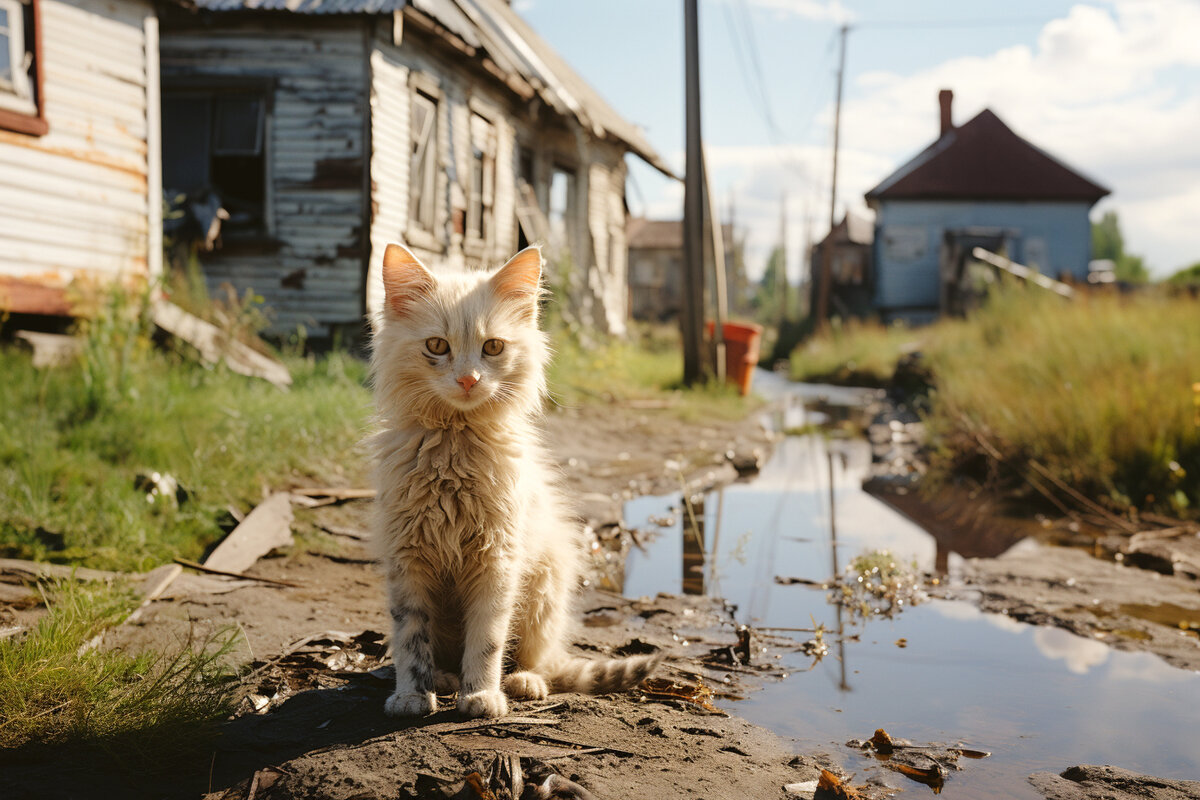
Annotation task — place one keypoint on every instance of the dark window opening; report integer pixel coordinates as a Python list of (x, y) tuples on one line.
[(214, 143)]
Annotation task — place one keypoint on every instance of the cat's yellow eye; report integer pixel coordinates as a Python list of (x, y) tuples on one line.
[(437, 346), (493, 347)]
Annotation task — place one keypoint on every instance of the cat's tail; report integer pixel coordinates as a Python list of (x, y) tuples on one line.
[(591, 676)]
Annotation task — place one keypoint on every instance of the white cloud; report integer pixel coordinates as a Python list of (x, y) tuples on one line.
[(1079, 654)]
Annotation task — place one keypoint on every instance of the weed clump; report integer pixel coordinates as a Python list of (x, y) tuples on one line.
[(57, 690)]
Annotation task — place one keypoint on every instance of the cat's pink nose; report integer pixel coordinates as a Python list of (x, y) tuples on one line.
[(467, 381)]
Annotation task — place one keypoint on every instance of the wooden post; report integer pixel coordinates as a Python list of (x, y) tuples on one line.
[(721, 287), (823, 288), (691, 317)]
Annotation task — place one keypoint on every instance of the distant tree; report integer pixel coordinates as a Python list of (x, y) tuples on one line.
[(767, 296), (1189, 276), (1109, 243)]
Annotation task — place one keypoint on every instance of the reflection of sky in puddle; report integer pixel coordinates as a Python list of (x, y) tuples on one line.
[(1039, 698)]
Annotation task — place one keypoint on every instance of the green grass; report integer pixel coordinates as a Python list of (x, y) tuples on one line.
[(645, 370), (853, 353), (73, 439), (68, 460), (139, 709), (1098, 390)]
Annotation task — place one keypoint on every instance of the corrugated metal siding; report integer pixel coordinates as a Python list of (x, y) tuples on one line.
[(76, 200), (316, 154)]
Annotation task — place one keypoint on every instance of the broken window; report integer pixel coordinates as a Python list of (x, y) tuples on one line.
[(422, 180), (214, 141), (483, 178), (561, 211), (19, 102)]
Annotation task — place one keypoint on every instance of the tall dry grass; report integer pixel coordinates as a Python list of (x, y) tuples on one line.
[(1098, 390)]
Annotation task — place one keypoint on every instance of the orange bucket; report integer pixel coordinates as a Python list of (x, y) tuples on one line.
[(741, 351)]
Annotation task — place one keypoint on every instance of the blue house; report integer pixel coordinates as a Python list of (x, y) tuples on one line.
[(978, 185)]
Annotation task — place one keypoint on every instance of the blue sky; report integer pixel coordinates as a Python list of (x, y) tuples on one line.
[(1111, 87)]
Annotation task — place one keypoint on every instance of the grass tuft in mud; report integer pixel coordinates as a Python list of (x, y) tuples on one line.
[(57, 690)]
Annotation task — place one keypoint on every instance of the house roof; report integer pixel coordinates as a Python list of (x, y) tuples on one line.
[(985, 160), (494, 30), (853, 229), (662, 234)]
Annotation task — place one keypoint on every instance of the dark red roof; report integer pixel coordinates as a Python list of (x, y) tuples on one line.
[(985, 160)]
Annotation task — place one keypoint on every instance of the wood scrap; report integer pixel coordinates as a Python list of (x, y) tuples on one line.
[(339, 493), (215, 345), (348, 533), (266, 528), (34, 570), (50, 349), (203, 568)]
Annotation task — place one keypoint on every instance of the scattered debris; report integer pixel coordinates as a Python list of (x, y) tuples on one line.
[(160, 486), (266, 528), (245, 578), (50, 349), (924, 763), (691, 695), (214, 345), (337, 494)]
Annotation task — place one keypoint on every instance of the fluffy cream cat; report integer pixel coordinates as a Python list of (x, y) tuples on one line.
[(481, 552)]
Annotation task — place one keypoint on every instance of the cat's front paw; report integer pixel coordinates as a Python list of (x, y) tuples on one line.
[(488, 703), (410, 704), (526, 685)]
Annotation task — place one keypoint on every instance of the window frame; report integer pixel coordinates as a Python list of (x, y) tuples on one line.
[(481, 196), (261, 88), (16, 116), (429, 161)]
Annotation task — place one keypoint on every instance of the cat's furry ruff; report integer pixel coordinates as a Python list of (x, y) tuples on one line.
[(481, 552)]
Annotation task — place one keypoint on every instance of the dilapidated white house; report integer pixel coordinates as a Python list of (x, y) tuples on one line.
[(79, 148), (329, 128)]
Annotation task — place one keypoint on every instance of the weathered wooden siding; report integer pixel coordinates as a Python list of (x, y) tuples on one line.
[(396, 71), (315, 153), (75, 202), (606, 226)]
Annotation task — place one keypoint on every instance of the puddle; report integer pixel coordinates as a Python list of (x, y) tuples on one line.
[(1037, 698)]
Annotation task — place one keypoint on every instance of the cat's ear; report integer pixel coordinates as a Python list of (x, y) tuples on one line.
[(404, 279), (520, 279)]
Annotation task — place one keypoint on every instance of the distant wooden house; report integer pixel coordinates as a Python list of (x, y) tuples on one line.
[(79, 148), (852, 284), (979, 184), (656, 268), (329, 128)]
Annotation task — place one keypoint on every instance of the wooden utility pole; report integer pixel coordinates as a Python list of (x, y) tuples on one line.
[(691, 317), (823, 287), (720, 284), (782, 278)]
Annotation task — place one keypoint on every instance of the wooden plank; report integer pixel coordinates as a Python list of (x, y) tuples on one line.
[(50, 349), (267, 527), (216, 346)]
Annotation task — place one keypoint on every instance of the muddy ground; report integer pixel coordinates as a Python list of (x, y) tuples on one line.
[(311, 722)]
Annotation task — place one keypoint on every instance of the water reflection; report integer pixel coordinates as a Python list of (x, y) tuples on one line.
[(1040, 698)]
